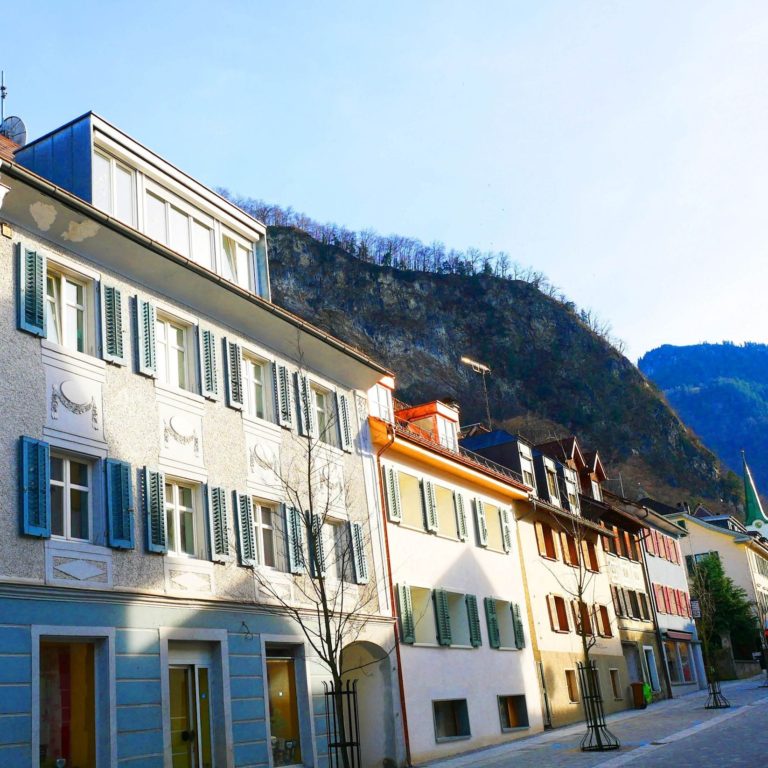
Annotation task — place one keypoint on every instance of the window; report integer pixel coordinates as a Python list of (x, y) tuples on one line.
[(114, 188), (236, 260), (451, 719), (423, 615), (571, 686), (582, 618), (570, 549), (181, 520), (256, 387), (558, 614), (513, 712), (615, 684), (265, 534), (634, 604), (70, 498), (173, 353), (597, 492), (410, 500), (380, 402), (338, 543), (67, 311), (506, 624), (571, 490), (324, 415), (459, 619), (644, 612), (603, 621), (526, 465), (446, 513), (447, 434), (493, 524), (554, 496), (545, 539), (590, 556)]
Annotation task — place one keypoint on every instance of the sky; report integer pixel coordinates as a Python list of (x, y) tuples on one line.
[(621, 148)]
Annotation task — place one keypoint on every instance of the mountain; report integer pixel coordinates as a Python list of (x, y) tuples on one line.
[(721, 391), (551, 375)]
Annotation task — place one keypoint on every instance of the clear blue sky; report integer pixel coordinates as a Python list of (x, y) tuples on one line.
[(621, 148)]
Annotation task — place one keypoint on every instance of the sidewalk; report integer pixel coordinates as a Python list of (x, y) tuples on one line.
[(641, 732)]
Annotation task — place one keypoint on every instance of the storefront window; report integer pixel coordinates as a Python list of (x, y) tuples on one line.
[(685, 662), (283, 711), (670, 651)]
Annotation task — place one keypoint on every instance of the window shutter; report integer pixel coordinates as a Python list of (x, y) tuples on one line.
[(358, 553), (119, 492), (540, 542), (461, 516), (113, 349), (146, 347), (429, 505), (154, 511), (566, 550), (442, 616), (482, 528), (246, 544), (317, 546), (506, 530), (616, 601), (345, 423), (407, 625), (650, 543), (492, 620), (218, 533), (282, 384), (294, 539), (658, 593), (392, 483), (209, 370), (552, 610), (518, 624), (675, 552), (305, 406), (31, 295), (35, 488), (474, 621), (233, 374)]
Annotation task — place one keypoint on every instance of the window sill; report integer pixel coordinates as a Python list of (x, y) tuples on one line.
[(508, 648), (516, 728), (179, 392), (85, 357), (266, 424), (444, 739), (198, 563), (84, 547)]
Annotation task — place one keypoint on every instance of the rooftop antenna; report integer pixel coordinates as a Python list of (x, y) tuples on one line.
[(3, 95), (484, 370)]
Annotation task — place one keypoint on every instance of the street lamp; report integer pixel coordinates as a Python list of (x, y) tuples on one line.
[(483, 370)]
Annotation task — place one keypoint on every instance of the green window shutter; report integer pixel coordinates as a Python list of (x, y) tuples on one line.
[(429, 505), (359, 559), (517, 623), (246, 544), (317, 546), (392, 485), (31, 291), (34, 488), (282, 382), (154, 511), (461, 515), (482, 526), (407, 624), (492, 620), (209, 369), (113, 349), (442, 616), (345, 424), (233, 373), (146, 347), (474, 621), (119, 493), (305, 406), (294, 539), (506, 530), (218, 534)]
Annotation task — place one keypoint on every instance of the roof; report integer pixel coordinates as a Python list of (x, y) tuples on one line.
[(618, 517), (564, 449), (594, 464), (659, 506), (488, 439), (7, 147)]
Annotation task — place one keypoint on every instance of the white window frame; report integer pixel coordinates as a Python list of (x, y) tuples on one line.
[(380, 401), (526, 465), (66, 485), (550, 474), (111, 183), (62, 275), (165, 369), (250, 360), (244, 281), (174, 507), (327, 433), (571, 489), (259, 527)]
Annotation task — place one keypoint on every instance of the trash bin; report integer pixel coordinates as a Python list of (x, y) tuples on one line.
[(638, 696)]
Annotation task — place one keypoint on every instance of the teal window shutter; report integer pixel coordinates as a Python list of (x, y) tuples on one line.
[(113, 348), (473, 618), (218, 533), (492, 620), (305, 406), (407, 624), (317, 546), (345, 425), (282, 382), (233, 373), (35, 488), (245, 538), (482, 526), (392, 487), (429, 505), (31, 291), (209, 369), (154, 511), (517, 622), (294, 539), (461, 515), (442, 616), (119, 493), (146, 347), (358, 553), (506, 529)]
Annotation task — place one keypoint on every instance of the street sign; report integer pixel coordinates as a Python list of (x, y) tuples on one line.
[(695, 609)]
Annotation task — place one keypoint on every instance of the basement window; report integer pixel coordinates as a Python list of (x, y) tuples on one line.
[(451, 720), (513, 713)]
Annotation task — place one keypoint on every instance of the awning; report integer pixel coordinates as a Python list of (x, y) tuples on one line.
[(674, 634)]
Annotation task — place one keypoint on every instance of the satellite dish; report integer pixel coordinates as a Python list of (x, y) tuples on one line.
[(14, 129)]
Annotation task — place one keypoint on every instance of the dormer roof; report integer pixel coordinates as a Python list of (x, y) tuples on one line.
[(565, 449)]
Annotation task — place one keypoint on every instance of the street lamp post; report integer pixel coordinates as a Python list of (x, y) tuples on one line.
[(483, 370)]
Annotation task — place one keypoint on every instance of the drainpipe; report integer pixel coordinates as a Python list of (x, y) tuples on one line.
[(392, 597)]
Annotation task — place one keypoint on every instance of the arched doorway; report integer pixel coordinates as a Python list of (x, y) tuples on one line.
[(370, 665)]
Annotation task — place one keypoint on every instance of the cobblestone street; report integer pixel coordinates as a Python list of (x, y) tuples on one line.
[(679, 732)]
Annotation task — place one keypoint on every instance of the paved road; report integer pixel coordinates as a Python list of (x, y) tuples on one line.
[(673, 734)]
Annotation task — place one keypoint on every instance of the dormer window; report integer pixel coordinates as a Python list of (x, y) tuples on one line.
[(114, 188), (236, 261), (380, 403), (571, 490), (554, 496), (597, 491), (526, 465), (447, 433)]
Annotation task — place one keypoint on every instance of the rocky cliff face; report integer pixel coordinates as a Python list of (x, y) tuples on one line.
[(550, 374)]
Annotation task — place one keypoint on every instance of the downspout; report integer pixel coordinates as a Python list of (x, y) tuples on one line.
[(392, 597)]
